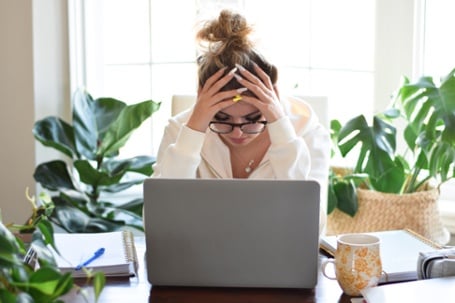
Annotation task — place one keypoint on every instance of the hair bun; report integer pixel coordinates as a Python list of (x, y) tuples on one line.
[(230, 32)]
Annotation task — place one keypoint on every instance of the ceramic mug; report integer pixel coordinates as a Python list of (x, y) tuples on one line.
[(357, 263)]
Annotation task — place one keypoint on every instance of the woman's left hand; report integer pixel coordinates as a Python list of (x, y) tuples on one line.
[(266, 97)]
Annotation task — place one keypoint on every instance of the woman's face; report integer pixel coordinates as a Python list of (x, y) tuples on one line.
[(239, 113)]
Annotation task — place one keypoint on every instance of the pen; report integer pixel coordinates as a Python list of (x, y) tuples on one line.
[(95, 256)]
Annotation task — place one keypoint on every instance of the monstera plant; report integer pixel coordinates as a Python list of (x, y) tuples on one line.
[(425, 112), (85, 185)]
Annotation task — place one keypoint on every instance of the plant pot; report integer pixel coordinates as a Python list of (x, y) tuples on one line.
[(379, 211)]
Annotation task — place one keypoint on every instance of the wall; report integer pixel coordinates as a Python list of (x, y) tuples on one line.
[(33, 83), (17, 152)]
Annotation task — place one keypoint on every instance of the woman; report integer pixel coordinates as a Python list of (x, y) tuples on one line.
[(239, 126)]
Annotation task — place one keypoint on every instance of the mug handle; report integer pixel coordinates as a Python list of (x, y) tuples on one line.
[(324, 265)]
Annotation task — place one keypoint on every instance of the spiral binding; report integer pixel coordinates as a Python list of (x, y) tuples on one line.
[(130, 249)]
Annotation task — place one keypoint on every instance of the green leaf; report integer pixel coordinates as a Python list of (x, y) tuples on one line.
[(64, 285), (332, 200), (115, 188), (7, 297), (47, 231), (94, 177), (54, 175), (44, 284), (347, 197), (130, 118), (91, 119), (8, 251), (139, 164), (99, 280), (43, 254), (75, 221), (56, 133), (134, 206), (377, 148)]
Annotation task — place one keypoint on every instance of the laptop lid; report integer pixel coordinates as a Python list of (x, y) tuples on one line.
[(232, 232)]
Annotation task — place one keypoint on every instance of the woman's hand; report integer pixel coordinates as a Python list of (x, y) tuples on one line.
[(211, 100), (266, 97)]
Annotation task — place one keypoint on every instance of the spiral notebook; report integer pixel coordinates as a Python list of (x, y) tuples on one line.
[(399, 252), (118, 259)]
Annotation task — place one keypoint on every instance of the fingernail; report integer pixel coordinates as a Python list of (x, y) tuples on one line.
[(241, 68), (232, 71), (237, 77), (242, 89)]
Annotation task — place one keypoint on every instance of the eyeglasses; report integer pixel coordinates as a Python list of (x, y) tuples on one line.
[(252, 127)]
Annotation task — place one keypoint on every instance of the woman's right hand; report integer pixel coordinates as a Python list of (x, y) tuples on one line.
[(211, 100)]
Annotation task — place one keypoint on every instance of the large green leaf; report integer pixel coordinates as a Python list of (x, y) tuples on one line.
[(54, 175), (99, 280), (346, 197), (75, 221), (47, 284), (7, 297), (56, 133), (115, 188), (8, 251), (376, 154), (134, 206), (129, 119), (138, 164), (89, 175), (332, 200), (91, 119)]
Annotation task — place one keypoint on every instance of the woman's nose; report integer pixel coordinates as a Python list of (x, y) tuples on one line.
[(237, 132)]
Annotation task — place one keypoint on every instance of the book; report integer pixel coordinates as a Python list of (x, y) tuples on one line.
[(119, 257), (439, 290), (399, 251)]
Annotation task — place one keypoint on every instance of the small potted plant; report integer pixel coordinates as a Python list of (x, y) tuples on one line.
[(404, 180), (20, 279)]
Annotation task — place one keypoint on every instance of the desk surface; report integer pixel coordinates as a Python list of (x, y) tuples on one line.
[(138, 289)]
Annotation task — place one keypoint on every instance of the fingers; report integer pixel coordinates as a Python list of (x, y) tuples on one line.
[(217, 81), (262, 87)]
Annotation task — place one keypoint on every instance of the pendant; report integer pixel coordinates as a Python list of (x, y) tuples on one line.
[(248, 168)]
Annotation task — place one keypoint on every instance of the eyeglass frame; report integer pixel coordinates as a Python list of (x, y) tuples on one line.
[(239, 125)]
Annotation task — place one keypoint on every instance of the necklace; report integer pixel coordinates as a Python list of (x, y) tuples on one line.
[(248, 168)]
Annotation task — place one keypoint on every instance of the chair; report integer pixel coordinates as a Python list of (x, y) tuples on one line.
[(319, 104)]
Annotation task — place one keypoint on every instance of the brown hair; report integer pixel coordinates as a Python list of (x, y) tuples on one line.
[(225, 42)]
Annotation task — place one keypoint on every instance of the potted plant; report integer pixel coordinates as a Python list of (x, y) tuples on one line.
[(20, 281), (83, 185), (425, 112)]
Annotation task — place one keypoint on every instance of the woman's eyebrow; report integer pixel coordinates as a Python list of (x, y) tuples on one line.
[(252, 114)]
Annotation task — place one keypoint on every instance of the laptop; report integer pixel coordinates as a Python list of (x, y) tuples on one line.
[(231, 232)]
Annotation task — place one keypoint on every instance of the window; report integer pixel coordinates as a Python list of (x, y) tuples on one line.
[(437, 45), (437, 49), (145, 49), (351, 51)]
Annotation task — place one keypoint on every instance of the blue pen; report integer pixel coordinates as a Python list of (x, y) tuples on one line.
[(95, 256)]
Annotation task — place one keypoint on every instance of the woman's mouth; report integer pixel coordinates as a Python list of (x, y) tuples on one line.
[(238, 140)]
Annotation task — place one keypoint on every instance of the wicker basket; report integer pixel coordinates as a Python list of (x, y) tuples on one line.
[(378, 211)]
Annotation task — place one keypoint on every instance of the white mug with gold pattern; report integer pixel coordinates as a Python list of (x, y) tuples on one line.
[(357, 263)]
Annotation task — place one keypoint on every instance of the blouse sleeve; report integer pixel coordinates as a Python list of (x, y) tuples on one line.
[(179, 152)]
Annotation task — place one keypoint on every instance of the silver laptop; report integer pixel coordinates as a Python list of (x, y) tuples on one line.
[(232, 232)]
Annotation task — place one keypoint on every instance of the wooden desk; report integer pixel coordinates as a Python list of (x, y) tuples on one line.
[(138, 289)]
